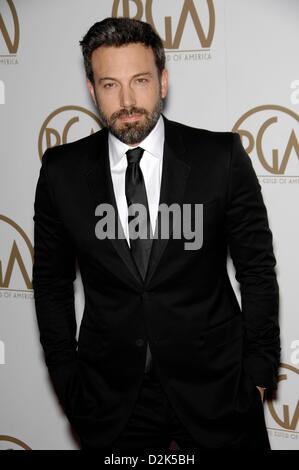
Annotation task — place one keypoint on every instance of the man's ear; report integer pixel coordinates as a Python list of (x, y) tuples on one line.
[(164, 83), (91, 91)]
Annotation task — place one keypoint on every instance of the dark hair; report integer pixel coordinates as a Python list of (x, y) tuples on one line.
[(118, 32)]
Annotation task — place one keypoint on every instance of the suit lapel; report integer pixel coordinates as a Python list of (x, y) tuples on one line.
[(175, 172), (174, 175), (101, 186)]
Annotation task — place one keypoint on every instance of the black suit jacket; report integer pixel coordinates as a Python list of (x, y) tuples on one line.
[(210, 354)]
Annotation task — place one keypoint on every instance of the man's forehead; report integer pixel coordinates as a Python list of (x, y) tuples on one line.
[(132, 50), (135, 58)]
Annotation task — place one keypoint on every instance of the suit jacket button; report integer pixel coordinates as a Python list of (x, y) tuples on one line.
[(139, 342)]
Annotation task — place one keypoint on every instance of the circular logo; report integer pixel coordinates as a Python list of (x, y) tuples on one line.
[(201, 15), (66, 124), (10, 37), (12, 443), (16, 256), (285, 410), (270, 135)]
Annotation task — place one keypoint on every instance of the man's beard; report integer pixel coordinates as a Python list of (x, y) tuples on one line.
[(132, 133)]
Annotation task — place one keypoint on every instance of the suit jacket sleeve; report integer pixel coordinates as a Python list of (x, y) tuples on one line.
[(53, 274), (250, 243)]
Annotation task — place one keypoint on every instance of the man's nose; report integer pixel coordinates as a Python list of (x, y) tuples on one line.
[(127, 97)]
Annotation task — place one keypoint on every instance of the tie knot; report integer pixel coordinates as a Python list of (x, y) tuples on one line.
[(134, 155)]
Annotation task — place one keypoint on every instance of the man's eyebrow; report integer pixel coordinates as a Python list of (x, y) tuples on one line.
[(142, 74), (106, 78)]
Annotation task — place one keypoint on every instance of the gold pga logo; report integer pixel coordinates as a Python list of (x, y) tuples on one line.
[(270, 135), (16, 258), (285, 411), (12, 443), (10, 31), (66, 124), (182, 12)]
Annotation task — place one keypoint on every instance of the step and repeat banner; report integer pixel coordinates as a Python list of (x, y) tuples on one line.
[(233, 65)]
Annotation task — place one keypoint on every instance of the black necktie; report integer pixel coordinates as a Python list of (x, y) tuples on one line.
[(136, 194)]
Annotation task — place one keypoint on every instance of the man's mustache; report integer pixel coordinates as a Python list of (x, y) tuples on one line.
[(128, 112)]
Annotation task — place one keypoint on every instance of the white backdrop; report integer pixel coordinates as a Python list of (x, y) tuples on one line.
[(235, 67)]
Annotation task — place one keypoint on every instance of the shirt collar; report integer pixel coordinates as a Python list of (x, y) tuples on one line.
[(153, 144)]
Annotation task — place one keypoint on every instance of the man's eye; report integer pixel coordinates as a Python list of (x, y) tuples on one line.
[(142, 80), (109, 85)]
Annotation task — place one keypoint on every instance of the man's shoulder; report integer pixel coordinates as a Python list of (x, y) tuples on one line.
[(198, 132), (76, 151), (202, 145)]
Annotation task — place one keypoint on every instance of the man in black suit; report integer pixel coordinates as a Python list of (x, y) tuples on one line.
[(164, 350)]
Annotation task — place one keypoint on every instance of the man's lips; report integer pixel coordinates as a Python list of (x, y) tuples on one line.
[(131, 118)]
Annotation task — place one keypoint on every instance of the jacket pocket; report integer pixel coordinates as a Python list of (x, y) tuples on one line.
[(223, 333)]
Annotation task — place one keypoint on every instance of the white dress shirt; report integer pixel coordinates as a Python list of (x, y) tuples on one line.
[(151, 166)]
